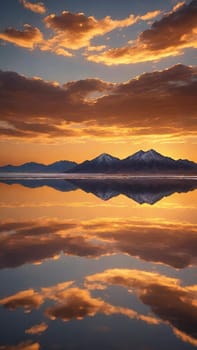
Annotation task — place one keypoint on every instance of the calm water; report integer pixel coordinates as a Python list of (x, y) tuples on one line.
[(98, 264)]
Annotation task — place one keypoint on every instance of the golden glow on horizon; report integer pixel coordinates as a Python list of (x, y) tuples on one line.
[(80, 150)]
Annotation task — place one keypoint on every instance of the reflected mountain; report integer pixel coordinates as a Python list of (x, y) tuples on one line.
[(57, 184), (141, 190)]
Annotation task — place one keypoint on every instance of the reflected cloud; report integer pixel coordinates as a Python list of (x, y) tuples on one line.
[(37, 329), (169, 302), (33, 242), (27, 299), (169, 243), (77, 303), (31, 299), (22, 346), (70, 303), (172, 303)]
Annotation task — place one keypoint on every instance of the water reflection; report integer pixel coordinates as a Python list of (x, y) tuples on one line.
[(140, 190), (116, 277), (168, 301), (166, 298), (170, 243)]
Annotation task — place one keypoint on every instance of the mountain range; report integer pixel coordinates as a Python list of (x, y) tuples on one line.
[(32, 167), (149, 162)]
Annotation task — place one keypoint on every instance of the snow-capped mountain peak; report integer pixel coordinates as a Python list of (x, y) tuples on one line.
[(104, 157), (146, 156), (151, 155)]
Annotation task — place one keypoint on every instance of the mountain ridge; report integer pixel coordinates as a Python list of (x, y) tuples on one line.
[(34, 167), (150, 162), (143, 162)]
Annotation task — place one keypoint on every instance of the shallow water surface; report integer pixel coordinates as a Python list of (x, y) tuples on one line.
[(98, 264)]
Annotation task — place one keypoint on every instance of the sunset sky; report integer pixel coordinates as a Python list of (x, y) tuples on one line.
[(83, 77)]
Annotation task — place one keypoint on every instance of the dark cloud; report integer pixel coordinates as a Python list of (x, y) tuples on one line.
[(162, 101), (174, 29)]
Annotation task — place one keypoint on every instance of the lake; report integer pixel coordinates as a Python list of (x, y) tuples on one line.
[(98, 263)]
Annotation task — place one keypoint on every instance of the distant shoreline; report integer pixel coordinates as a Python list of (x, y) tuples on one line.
[(96, 176)]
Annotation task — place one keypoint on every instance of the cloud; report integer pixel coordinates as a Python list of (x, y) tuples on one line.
[(76, 30), (160, 102), (38, 7), (172, 303), (37, 329), (29, 37), (168, 243), (167, 37), (28, 345), (70, 31), (150, 15)]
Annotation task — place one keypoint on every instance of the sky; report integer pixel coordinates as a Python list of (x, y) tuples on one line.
[(80, 78)]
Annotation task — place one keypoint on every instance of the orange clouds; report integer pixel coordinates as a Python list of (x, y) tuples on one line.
[(161, 102), (37, 329), (28, 38), (167, 37), (168, 243), (22, 346), (75, 30), (38, 7), (72, 31)]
